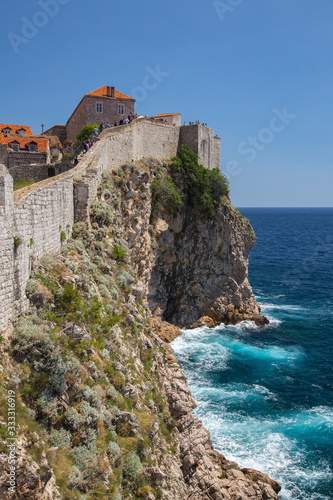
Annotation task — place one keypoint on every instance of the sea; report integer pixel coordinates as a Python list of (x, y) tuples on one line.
[(266, 393)]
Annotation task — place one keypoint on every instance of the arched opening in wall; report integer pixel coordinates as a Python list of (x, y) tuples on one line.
[(50, 172)]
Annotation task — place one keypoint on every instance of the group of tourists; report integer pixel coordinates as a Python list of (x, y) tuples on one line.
[(126, 121), (87, 144), (195, 123)]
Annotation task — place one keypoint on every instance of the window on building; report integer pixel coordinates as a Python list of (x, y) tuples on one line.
[(121, 109), (99, 107), (6, 131), (17, 163), (21, 131), (32, 147), (14, 146)]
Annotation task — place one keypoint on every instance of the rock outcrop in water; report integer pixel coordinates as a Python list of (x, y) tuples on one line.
[(112, 406)]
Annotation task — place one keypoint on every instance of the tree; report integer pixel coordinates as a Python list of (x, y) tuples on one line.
[(84, 134)]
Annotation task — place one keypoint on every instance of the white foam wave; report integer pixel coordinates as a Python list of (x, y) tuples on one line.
[(262, 445), (220, 396), (280, 307)]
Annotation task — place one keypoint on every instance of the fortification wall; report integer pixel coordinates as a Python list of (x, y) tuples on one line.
[(141, 139), (32, 218), (156, 140), (215, 156), (202, 141), (31, 222)]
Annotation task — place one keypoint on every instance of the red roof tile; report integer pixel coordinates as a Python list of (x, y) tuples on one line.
[(24, 141), (102, 92), (15, 128), (166, 114)]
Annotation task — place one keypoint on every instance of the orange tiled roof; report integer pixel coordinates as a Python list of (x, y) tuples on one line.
[(166, 114), (102, 92), (24, 141), (15, 128)]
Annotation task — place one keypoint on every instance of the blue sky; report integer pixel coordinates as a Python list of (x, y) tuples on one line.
[(259, 72)]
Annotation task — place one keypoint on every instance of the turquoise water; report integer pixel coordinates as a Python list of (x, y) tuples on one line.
[(266, 393)]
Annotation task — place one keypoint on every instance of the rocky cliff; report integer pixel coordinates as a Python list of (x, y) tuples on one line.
[(104, 410), (200, 272)]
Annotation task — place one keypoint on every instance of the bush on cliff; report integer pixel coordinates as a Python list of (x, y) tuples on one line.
[(203, 188), (164, 197)]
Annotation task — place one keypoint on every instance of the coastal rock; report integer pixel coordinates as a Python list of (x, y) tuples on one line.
[(200, 271), (165, 331), (207, 473)]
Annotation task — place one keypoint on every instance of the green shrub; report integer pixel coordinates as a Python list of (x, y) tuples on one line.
[(111, 392), (73, 419), (92, 395), (75, 478), (124, 279), (132, 467), (83, 457), (164, 197), (61, 439), (88, 438), (63, 236), (32, 286), (104, 292), (90, 415), (203, 188), (84, 134), (119, 253), (68, 298), (48, 262), (101, 213), (113, 451)]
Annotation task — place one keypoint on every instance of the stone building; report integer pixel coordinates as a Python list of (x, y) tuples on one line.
[(57, 131), (102, 105), (23, 147), (169, 118), (20, 147)]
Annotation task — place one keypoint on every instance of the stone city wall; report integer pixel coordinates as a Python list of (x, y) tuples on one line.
[(33, 218), (31, 222)]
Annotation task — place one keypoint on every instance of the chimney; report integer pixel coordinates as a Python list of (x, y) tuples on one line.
[(112, 91), (42, 125), (108, 91)]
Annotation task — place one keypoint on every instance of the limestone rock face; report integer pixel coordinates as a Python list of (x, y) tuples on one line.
[(200, 272)]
